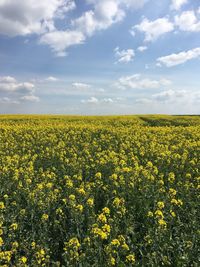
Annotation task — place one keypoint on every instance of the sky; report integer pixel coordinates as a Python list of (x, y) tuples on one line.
[(92, 57)]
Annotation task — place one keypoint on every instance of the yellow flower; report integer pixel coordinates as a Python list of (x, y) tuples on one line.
[(162, 223), (14, 226), (15, 245), (160, 205), (173, 214), (125, 246), (106, 210), (59, 211), (22, 212), (74, 242), (159, 214), (115, 242), (2, 206), (174, 201), (172, 192), (6, 256), (33, 245), (23, 259), (116, 202), (102, 218), (112, 261), (72, 197), (171, 177), (150, 214), (1, 242), (90, 202), (106, 228), (98, 175), (81, 191), (114, 177), (45, 217), (130, 258), (79, 208), (180, 202), (98, 232)]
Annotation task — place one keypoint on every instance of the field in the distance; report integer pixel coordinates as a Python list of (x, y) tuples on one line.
[(99, 191)]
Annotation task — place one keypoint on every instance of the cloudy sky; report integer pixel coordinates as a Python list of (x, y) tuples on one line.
[(100, 57)]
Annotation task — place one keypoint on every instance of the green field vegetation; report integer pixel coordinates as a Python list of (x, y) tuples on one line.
[(99, 191)]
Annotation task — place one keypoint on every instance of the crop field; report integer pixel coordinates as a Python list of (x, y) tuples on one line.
[(99, 191)]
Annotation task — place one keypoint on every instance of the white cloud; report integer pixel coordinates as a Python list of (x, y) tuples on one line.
[(21, 17), (60, 40), (81, 86), (7, 100), (170, 95), (188, 21), (13, 91), (51, 79), (94, 100), (177, 4), (137, 82), (154, 29), (180, 58), (134, 4), (143, 101), (31, 98), (142, 48), (108, 100), (124, 56), (177, 97), (105, 13), (91, 100), (16, 87), (7, 79)]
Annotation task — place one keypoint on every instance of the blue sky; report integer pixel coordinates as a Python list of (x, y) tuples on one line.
[(100, 57)]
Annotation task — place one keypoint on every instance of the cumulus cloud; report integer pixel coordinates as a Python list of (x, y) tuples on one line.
[(13, 91), (31, 98), (94, 100), (59, 41), (180, 58), (91, 100), (154, 29), (21, 17), (51, 79), (142, 48), (177, 4), (7, 100), (108, 100), (137, 82), (7, 79), (170, 95), (188, 21), (101, 16), (105, 13), (81, 86), (124, 56)]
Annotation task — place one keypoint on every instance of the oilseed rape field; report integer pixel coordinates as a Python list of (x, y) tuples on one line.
[(99, 191)]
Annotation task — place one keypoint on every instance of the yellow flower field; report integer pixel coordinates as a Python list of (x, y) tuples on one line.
[(99, 191)]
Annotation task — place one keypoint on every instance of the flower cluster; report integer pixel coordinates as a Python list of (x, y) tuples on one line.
[(99, 191)]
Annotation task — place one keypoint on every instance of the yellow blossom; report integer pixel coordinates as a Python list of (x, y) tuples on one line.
[(130, 258), (90, 202), (160, 205)]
